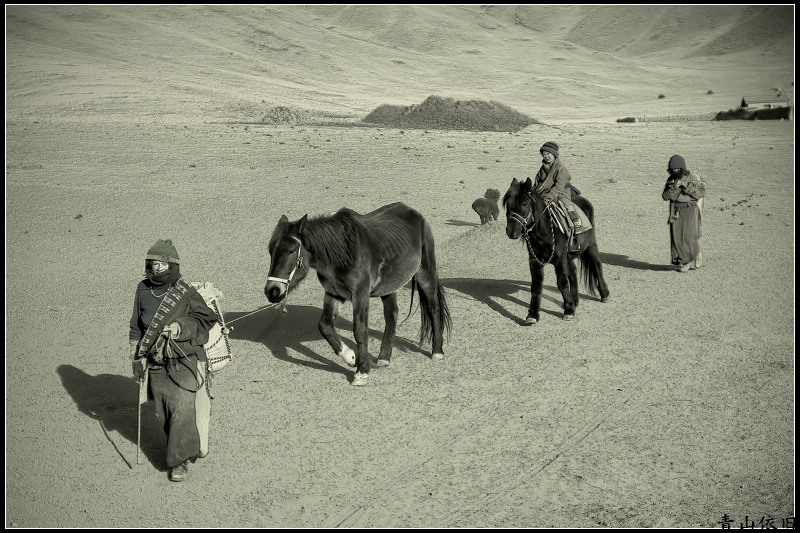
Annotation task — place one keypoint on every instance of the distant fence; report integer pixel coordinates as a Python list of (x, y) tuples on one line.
[(687, 117), (758, 114), (733, 114)]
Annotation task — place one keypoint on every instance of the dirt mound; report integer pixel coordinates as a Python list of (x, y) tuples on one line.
[(284, 115), (449, 114)]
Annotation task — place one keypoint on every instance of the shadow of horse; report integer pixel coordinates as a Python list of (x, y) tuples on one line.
[(623, 261), (113, 401), (484, 290), (280, 333)]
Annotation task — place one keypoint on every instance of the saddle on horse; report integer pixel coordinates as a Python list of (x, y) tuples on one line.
[(570, 220)]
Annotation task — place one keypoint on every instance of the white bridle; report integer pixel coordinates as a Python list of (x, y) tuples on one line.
[(526, 230), (522, 221), (527, 222), (299, 264)]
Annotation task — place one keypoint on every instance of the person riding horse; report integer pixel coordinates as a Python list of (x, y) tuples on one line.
[(529, 218), (552, 183)]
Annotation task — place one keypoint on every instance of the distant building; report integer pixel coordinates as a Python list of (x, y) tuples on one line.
[(753, 103)]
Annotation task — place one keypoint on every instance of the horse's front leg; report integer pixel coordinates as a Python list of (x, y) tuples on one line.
[(326, 326), (537, 281), (390, 318), (361, 334), (563, 281)]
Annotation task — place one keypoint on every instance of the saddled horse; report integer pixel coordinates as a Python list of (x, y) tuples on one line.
[(529, 216), (358, 257)]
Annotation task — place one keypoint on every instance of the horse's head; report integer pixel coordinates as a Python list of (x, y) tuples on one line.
[(521, 208), (288, 259)]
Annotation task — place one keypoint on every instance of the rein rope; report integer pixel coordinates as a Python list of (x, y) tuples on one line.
[(526, 231), (165, 345), (270, 306)]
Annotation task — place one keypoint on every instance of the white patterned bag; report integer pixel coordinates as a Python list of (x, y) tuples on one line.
[(218, 347)]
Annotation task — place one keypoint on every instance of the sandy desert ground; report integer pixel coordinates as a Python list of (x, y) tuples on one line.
[(672, 405)]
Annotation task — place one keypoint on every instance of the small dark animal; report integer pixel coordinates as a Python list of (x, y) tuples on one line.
[(358, 257), (487, 207)]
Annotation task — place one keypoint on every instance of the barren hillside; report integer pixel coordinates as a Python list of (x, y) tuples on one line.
[(572, 62)]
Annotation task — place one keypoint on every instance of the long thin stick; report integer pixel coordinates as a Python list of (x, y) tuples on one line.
[(139, 423), (143, 383)]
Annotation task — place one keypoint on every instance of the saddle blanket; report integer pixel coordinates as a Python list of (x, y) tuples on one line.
[(563, 221)]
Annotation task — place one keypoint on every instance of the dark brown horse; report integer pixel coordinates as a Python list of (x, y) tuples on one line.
[(358, 257), (530, 217)]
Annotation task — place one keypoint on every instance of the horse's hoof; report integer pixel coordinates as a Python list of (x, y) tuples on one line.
[(437, 356), (530, 321), (569, 317), (348, 356), (381, 363), (360, 379), (605, 299)]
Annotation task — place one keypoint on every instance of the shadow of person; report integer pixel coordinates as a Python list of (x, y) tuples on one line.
[(624, 261), (488, 290), (297, 328), (113, 401)]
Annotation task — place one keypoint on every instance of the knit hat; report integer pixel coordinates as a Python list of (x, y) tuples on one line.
[(549, 147), (163, 250), (676, 162)]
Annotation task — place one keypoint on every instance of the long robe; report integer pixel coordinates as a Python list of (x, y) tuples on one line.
[(685, 229), (179, 386)]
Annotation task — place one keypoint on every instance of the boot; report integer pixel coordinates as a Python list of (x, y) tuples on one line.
[(178, 473)]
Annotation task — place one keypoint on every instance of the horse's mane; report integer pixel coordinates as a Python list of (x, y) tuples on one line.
[(333, 239), (511, 193), (515, 191), (508, 195)]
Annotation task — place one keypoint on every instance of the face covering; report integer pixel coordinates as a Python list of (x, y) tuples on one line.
[(159, 267), (160, 273)]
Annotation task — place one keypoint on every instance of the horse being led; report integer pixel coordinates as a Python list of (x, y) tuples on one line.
[(357, 257), (529, 216)]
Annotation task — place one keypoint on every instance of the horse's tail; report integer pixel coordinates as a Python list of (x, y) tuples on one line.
[(589, 273), (431, 310), (589, 269), (587, 207), (411, 305), (427, 312)]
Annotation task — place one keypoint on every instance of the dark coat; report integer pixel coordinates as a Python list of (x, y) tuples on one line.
[(551, 182), (191, 313)]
